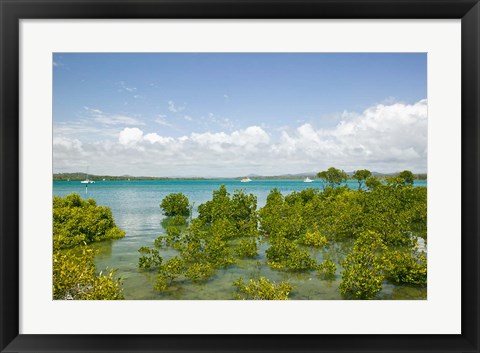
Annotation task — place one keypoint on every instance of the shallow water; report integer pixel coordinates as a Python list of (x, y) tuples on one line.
[(135, 207)]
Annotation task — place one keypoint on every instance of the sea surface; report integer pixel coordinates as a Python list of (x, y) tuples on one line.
[(136, 210)]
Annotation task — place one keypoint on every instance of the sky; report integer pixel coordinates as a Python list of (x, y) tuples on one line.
[(237, 114)]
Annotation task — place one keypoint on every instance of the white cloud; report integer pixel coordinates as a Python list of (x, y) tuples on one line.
[(112, 119), (383, 138), (118, 120), (134, 136), (130, 136), (82, 126), (127, 88), (251, 137), (67, 144), (188, 118), (175, 108), (93, 110), (383, 134), (155, 138)]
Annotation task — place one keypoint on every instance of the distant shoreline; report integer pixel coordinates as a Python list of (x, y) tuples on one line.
[(83, 176)]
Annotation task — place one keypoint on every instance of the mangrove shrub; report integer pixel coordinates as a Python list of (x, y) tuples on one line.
[(175, 205)]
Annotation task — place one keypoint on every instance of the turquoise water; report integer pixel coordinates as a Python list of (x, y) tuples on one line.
[(135, 207)]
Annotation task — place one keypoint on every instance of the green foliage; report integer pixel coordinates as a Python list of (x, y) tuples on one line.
[(372, 183), (406, 267), (263, 289), (77, 221), (240, 210), (371, 261), (151, 258), (283, 254), (172, 238), (395, 181), (160, 241), (75, 278), (361, 176), (340, 213), (383, 223), (200, 271), (395, 211), (178, 220), (362, 274), (333, 176), (219, 207), (168, 272), (327, 269), (247, 248), (205, 244), (314, 238), (393, 214), (407, 176), (217, 253), (416, 210), (281, 219), (224, 229), (175, 205)]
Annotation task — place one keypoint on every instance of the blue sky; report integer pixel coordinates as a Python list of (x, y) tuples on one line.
[(233, 114)]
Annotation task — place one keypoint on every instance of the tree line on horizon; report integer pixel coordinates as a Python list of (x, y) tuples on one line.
[(78, 176)]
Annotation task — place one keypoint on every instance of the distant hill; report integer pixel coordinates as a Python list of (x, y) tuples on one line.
[(82, 176)]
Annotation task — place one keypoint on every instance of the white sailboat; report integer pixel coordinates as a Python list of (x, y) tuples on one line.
[(308, 180), (88, 181), (246, 180)]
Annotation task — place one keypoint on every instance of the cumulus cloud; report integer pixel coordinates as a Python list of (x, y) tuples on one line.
[(395, 134), (155, 138), (383, 138), (130, 136), (67, 144)]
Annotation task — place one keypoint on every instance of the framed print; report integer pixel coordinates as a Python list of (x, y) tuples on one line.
[(161, 161)]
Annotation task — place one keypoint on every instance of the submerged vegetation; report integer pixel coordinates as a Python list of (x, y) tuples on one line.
[(381, 220), (77, 221), (356, 239), (76, 224), (206, 244), (263, 289)]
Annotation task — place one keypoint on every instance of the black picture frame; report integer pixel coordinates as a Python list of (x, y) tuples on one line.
[(12, 11)]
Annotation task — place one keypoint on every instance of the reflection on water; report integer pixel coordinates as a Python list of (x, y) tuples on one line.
[(135, 207)]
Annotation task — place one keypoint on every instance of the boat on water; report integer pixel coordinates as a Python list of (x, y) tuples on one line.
[(246, 180), (308, 180), (87, 181)]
